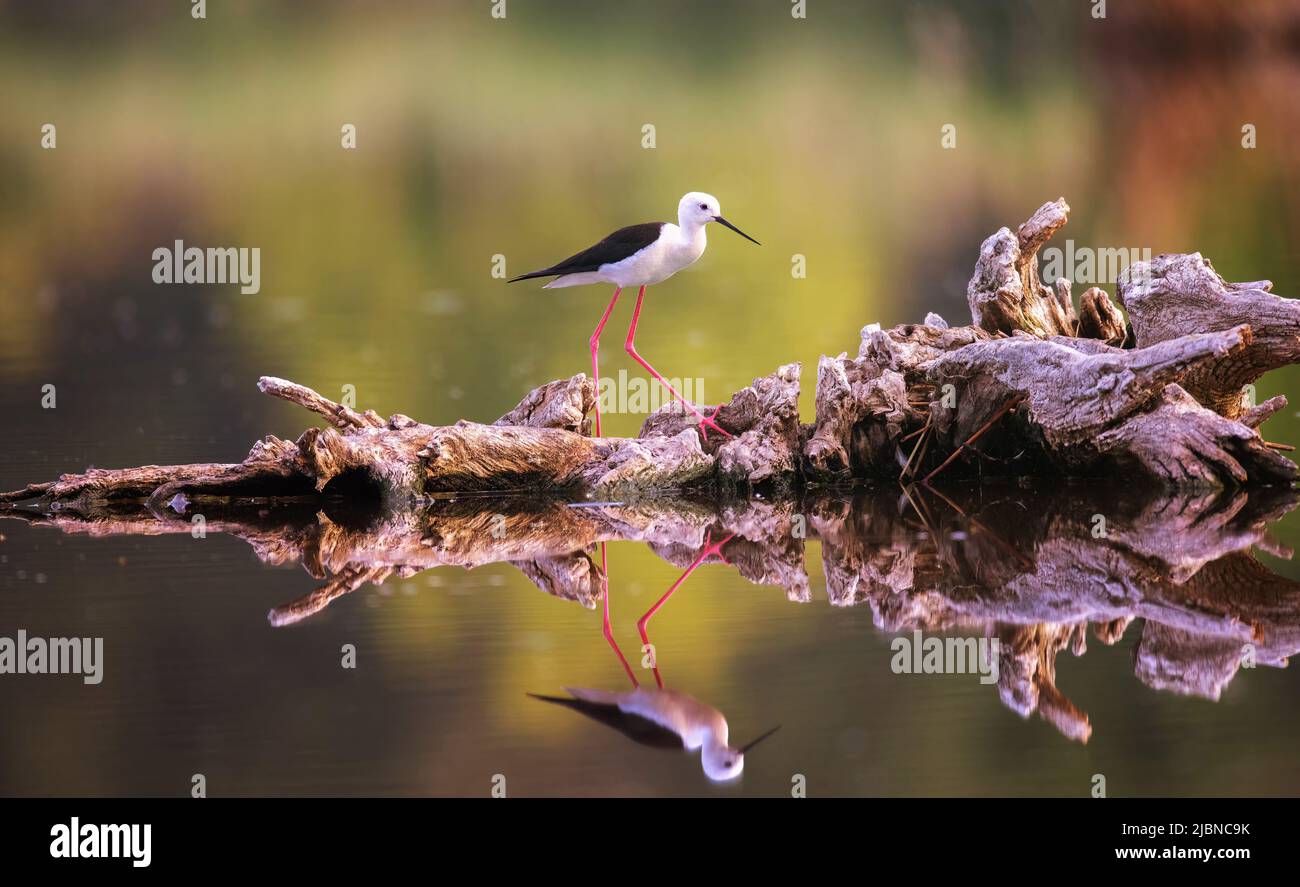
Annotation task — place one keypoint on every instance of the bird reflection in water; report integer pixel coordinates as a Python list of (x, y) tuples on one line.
[(658, 716)]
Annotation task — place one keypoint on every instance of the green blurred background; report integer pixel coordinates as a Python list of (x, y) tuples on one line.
[(523, 137)]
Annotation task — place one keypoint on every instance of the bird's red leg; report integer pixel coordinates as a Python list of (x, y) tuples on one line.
[(606, 629), (706, 422), (595, 349), (643, 623)]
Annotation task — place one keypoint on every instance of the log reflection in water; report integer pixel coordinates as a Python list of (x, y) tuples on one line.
[(1034, 568)]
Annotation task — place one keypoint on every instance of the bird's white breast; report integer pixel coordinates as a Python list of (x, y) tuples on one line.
[(670, 253)]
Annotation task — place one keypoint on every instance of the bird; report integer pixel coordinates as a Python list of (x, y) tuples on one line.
[(641, 255), (664, 719)]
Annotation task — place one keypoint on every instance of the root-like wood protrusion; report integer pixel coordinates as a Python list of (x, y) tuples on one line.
[(1173, 296)]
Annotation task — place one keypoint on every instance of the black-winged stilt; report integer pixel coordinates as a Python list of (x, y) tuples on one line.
[(641, 255)]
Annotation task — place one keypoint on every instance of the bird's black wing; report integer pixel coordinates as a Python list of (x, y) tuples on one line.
[(634, 727), (614, 248)]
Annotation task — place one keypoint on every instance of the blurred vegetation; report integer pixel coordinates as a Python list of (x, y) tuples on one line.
[(522, 137)]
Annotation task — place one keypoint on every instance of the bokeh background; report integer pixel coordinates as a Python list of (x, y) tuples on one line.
[(522, 136)]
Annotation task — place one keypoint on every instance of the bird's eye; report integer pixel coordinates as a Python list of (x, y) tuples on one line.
[(704, 206)]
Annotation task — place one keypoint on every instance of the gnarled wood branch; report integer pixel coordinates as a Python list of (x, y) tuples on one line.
[(1005, 293), (1174, 295)]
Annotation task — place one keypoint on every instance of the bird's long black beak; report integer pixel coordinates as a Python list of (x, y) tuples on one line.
[(746, 748), (724, 223)]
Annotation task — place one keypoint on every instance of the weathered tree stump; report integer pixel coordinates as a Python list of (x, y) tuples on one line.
[(1031, 386)]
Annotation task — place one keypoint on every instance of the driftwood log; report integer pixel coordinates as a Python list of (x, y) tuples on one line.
[(1032, 386)]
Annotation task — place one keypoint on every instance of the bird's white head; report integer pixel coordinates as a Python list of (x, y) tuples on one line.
[(721, 762), (697, 209)]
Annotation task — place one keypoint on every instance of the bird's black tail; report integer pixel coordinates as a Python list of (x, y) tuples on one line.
[(634, 727), (531, 274)]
